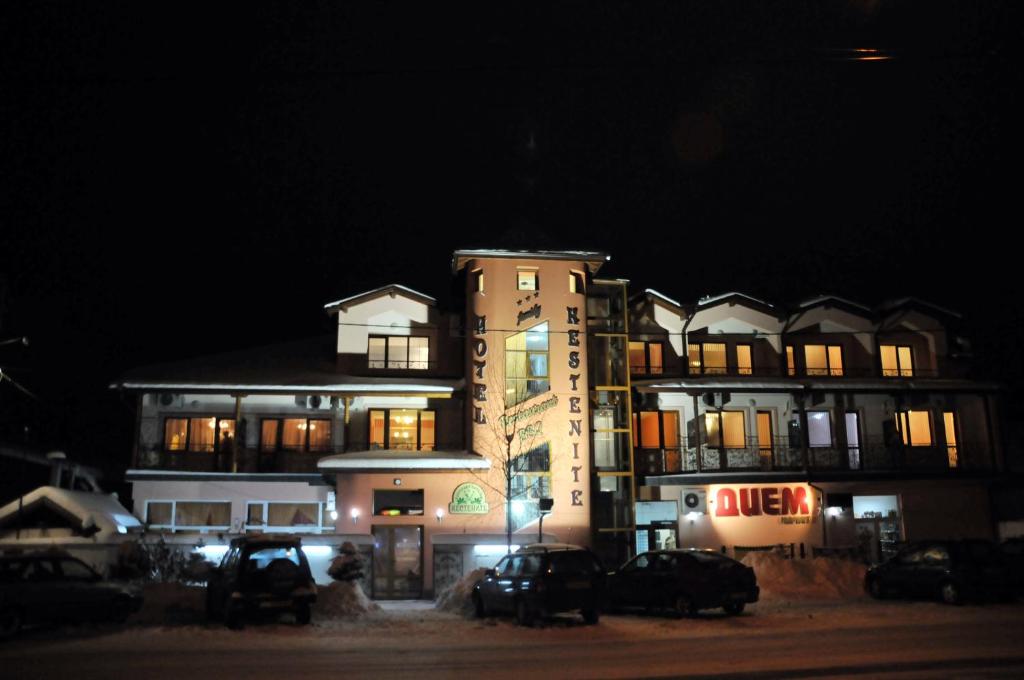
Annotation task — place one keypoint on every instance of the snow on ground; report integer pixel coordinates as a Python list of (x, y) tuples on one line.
[(457, 598), (342, 599), (820, 578)]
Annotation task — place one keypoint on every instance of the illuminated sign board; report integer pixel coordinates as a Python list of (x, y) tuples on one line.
[(766, 500), (468, 499)]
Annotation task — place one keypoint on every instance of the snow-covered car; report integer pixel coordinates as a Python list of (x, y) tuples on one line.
[(260, 575), (952, 571), (540, 580), (54, 588), (685, 581)]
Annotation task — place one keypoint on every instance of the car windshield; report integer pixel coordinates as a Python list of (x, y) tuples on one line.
[(73, 570), (263, 556), (710, 557)]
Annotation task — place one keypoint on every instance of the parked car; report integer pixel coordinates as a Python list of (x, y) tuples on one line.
[(260, 575), (1013, 556), (53, 588), (540, 580), (684, 581), (952, 571)]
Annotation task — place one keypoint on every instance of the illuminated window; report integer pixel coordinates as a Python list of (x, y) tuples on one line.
[(656, 430), (744, 360), (915, 427), (707, 358), (645, 358), (207, 433), (576, 284), (283, 516), (397, 503), (398, 351), (790, 360), (531, 481), (526, 279), (200, 516), (819, 429), (295, 434), (526, 365), (949, 422), (823, 360), (402, 429), (897, 361), (478, 280), (764, 433), (726, 429)]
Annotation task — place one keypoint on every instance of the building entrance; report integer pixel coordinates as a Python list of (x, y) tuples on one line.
[(397, 562)]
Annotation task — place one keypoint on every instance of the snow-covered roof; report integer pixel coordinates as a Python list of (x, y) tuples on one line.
[(89, 510), (726, 384), (661, 296), (391, 289), (712, 299), (389, 459), (819, 299), (593, 259), (389, 387)]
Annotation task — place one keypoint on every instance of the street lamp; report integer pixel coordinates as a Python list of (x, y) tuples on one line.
[(545, 505)]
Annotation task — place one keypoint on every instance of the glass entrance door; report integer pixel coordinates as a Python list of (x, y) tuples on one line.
[(397, 562)]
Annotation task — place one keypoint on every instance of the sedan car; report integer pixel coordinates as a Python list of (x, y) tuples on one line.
[(540, 580), (685, 581), (49, 588), (951, 571)]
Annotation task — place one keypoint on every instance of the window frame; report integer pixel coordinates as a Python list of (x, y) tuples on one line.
[(702, 367), (638, 440), (264, 527), (532, 477), (513, 381), (901, 372), (528, 270), (648, 367), (750, 355), (278, 446), (831, 428), (174, 526), (721, 430), (387, 427), (188, 433), (830, 372), (904, 429), (387, 352)]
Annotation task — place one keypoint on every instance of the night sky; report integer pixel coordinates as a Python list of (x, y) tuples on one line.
[(178, 179)]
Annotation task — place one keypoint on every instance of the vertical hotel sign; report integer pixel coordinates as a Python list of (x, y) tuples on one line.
[(575, 412)]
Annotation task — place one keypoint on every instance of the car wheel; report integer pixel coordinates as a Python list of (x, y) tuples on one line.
[(951, 593), (479, 608), (875, 589), (734, 608), (684, 606), (524, 617), (591, 616), (303, 614), (10, 622)]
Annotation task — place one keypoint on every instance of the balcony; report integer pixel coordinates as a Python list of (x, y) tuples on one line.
[(781, 456), (249, 460)]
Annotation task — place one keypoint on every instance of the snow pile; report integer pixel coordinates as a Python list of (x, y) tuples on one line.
[(458, 597), (171, 603), (343, 599), (823, 578)]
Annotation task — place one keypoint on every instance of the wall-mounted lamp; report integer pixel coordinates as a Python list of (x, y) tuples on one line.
[(355, 515), (439, 514), (833, 511), (693, 515), (334, 515)]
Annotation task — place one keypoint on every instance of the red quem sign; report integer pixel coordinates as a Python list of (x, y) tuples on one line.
[(767, 500)]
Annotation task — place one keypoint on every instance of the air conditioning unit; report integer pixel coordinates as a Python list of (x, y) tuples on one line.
[(315, 401), (693, 499), (168, 399)]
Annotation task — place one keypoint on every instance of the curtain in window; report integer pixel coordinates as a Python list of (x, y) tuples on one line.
[(201, 514), (293, 434), (819, 429), (268, 435), (402, 429), (427, 430), (398, 352), (419, 353), (158, 513), (319, 435), (202, 433), (292, 514), (376, 429), (176, 434)]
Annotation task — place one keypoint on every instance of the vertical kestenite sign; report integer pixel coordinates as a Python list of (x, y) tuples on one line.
[(575, 412)]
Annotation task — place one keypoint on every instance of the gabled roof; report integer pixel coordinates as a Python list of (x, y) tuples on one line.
[(592, 259), (85, 509), (913, 302), (286, 368), (390, 290), (732, 296), (834, 301), (664, 298)]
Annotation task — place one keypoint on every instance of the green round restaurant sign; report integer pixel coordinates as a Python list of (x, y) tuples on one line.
[(468, 499)]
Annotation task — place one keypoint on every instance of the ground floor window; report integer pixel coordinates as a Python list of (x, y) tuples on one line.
[(284, 516), (395, 503), (189, 515), (531, 481), (878, 526)]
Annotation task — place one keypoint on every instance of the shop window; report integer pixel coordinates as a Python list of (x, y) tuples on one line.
[(823, 360), (398, 352), (744, 360), (645, 358), (526, 279), (189, 515), (531, 481), (396, 503), (819, 429), (207, 433), (897, 361), (707, 358), (576, 284), (402, 429), (790, 360), (295, 434), (526, 365), (915, 427), (726, 429)]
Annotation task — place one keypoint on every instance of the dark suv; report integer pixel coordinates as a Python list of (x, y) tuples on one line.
[(262, 574), (540, 580)]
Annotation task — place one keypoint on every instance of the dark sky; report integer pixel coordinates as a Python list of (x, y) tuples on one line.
[(178, 179)]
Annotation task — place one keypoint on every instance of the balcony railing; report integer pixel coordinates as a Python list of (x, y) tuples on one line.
[(814, 373), (782, 456)]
